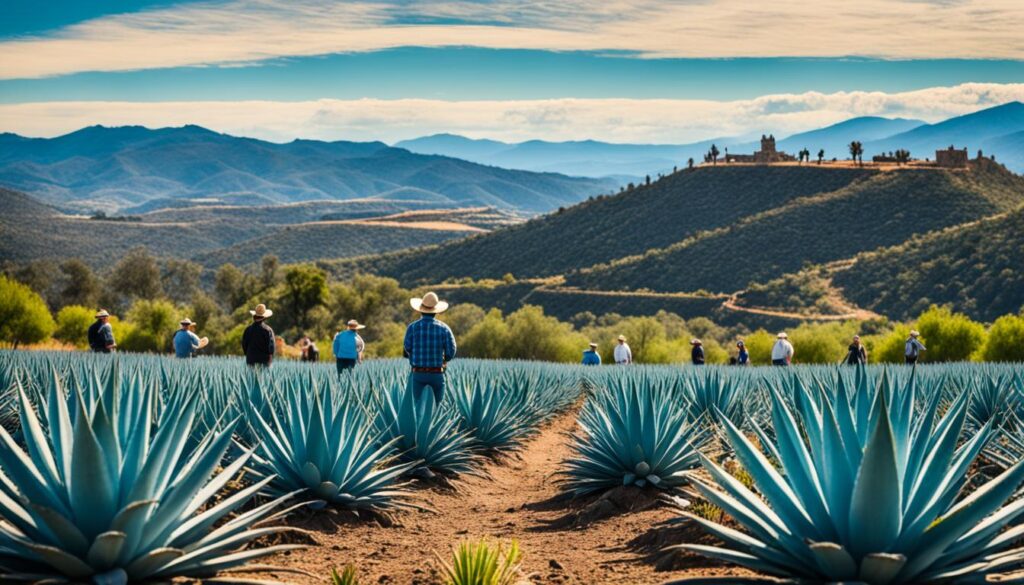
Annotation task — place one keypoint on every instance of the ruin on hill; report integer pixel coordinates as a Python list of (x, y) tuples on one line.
[(768, 154)]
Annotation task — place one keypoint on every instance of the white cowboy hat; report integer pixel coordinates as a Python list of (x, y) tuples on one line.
[(782, 335), (622, 338), (186, 321), (429, 304), (592, 344), (353, 324), (203, 342), (261, 311), (695, 341), (102, 313), (914, 333)]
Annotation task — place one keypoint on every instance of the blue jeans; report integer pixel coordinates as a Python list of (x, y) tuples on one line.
[(421, 380), (345, 364)]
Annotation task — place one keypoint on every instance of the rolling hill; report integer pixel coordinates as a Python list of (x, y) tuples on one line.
[(138, 169), (697, 237)]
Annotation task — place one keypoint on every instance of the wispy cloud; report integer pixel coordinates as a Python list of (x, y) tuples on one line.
[(248, 31), (616, 120)]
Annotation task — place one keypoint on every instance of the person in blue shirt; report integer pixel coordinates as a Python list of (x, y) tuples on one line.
[(348, 347), (591, 357), (186, 342), (743, 357), (429, 345)]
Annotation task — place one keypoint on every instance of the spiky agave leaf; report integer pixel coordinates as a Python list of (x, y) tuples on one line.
[(868, 496), (328, 450), (632, 436), (482, 563), (423, 433), (92, 498), (496, 418)]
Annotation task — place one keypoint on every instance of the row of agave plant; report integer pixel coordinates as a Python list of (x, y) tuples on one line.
[(144, 468), (854, 475)]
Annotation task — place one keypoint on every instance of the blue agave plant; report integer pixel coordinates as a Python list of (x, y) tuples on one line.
[(867, 491), (92, 496), (497, 419), (631, 436)]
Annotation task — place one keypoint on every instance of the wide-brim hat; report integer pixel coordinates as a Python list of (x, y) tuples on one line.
[(695, 341), (592, 344), (914, 333), (102, 313), (186, 321), (782, 335), (354, 325), (622, 338), (261, 311), (429, 304), (740, 343)]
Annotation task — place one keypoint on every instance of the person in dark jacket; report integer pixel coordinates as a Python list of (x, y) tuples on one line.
[(857, 354), (258, 338), (310, 352), (101, 334), (697, 353)]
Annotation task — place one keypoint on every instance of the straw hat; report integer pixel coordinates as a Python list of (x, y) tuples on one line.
[(622, 338), (592, 344), (354, 325), (186, 321), (102, 313), (783, 335), (261, 311), (695, 341), (914, 333), (429, 304)]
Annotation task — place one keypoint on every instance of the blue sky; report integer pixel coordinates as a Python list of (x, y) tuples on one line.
[(565, 70)]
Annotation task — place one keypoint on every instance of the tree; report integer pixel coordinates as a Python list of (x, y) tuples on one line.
[(949, 336), (153, 325), (305, 289), (38, 275), (713, 154), (181, 280), (73, 323), (81, 286), (902, 156), (821, 155), (136, 276), (270, 271), (488, 339), (857, 151), (233, 287), (1005, 340), (462, 317), (689, 163), (24, 317)]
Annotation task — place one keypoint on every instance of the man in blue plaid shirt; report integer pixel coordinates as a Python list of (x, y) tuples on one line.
[(429, 345)]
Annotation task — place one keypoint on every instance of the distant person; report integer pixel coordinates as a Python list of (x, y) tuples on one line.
[(186, 342), (591, 357), (310, 352), (914, 347), (258, 342), (623, 355), (429, 345), (742, 355), (697, 352), (782, 351), (857, 353), (348, 346), (101, 334)]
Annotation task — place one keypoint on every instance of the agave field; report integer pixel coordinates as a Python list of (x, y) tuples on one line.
[(142, 469)]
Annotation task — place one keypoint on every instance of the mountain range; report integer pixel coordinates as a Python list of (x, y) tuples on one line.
[(137, 169), (998, 130)]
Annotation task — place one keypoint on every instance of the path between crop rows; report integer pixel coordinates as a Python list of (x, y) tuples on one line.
[(518, 501)]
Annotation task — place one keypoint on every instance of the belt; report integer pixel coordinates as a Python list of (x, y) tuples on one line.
[(417, 370)]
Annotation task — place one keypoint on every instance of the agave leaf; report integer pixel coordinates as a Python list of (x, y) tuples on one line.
[(876, 510)]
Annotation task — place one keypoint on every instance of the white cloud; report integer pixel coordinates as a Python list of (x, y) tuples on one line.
[(615, 120), (240, 31)]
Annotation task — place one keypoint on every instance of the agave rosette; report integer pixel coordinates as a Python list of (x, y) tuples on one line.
[(497, 419), (867, 490), (93, 497)]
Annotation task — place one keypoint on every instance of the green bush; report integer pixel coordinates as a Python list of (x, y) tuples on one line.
[(73, 323), (822, 343), (888, 347), (949, 336), (154, 324), (1005, 341), (24, 317), (759, 346), (487, 339)]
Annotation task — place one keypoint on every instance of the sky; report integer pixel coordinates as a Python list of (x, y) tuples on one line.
[(650, 71)]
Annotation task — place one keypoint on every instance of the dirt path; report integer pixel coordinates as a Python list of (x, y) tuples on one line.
[(520, 501)]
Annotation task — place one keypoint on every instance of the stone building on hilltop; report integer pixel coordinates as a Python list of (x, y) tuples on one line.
[(951, 157), (767, 155)]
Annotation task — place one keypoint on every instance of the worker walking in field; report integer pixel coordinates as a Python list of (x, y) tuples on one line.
[(742, 355), (591, 357), (697, 353), (429, 345), (782, 351), (857, 354), (258, 343), (623, 355), (348, 347), (186, 342), (310, 352), (913, 347), (101, 334)]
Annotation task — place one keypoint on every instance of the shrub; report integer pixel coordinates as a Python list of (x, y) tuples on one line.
[(24, 317), (759, 346), (1005, 341), (154, 325), (949, 336), (73, 323)]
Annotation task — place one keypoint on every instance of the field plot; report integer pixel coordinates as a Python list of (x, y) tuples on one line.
[(140, 468)]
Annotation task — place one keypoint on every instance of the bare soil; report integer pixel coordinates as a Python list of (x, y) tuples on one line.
[(615, 538)]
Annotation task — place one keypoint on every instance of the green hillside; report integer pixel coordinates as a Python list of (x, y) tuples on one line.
[(979, 268), (603, 229)]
